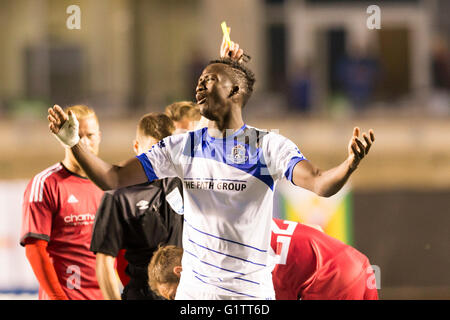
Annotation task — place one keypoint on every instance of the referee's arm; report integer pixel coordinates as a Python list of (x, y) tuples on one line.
[(106, 276), (106, 242)]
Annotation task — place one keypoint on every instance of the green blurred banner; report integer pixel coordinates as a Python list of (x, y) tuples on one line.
[(333, 214)]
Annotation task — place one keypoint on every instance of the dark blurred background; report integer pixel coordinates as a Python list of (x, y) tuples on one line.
[(320, 71)]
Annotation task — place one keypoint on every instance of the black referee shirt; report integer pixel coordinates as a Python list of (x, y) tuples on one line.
[(138, 219)]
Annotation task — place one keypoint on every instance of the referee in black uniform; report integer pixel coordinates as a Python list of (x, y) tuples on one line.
[(137, 219)]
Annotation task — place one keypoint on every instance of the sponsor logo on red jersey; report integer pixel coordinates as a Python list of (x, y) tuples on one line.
[(79, 219)]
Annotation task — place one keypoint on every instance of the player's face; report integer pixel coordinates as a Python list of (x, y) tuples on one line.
[(213, 92), (168, 290), (90, 135)]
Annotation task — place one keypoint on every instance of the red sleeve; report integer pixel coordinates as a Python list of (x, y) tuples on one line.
[(36, 252), (121, 265), (37, 210)]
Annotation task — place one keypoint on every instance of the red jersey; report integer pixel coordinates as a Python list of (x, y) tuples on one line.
[(315, 266), (60, 207)]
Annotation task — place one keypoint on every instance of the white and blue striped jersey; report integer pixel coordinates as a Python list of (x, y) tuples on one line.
[(228, 203)]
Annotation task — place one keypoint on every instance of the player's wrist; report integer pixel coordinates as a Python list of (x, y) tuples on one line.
[(68, 142), (74, 141), (351, 165)]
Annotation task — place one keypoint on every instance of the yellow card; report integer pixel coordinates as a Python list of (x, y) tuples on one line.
[(226, 32)]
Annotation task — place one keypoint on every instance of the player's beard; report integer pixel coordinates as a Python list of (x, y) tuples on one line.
[(217, 111), (206, 112)]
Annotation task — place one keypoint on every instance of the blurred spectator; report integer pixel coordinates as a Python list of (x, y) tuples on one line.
[(299, 94), (440, 72), (358, 72), (441, 65)]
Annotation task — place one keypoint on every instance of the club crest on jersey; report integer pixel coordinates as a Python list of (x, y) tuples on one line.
[(237, 154)]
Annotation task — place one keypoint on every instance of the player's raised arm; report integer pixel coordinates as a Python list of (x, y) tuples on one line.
[(106, 176), (327, 183)]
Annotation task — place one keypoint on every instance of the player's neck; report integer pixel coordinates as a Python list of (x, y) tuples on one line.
[(73, 167), (220, 128)]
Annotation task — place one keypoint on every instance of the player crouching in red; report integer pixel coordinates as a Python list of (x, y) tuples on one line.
[(58, 214), (315, 266), (311, 266)]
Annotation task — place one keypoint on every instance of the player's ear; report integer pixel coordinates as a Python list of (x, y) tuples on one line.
[(234, 90), (177, 270)]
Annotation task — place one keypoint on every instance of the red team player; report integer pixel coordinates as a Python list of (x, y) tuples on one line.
[(58, 214), (311, 266), (315, 266)]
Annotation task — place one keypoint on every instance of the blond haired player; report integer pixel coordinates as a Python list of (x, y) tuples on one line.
[(164, 271), (184, 114), (58, 213)]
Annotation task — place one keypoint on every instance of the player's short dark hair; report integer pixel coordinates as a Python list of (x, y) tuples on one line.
[(156, 125), (241, 74)]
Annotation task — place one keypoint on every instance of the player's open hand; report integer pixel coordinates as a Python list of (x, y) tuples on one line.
[(357, 149), (63, 126)]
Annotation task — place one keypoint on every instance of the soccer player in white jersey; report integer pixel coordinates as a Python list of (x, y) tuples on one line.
[(229, 170)]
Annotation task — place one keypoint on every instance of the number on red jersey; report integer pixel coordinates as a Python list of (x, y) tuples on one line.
[(283, 238)]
